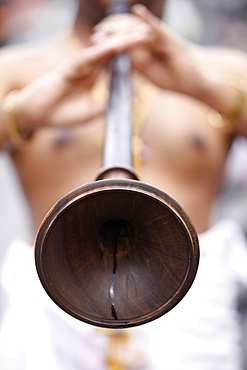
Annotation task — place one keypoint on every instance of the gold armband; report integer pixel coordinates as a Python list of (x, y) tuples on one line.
[(15, 137), (227, 122)]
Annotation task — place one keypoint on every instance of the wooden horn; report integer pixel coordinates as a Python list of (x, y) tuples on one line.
[(117, 252)]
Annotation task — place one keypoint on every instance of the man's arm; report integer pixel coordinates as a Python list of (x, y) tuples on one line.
[(53, 99), (217, 78)]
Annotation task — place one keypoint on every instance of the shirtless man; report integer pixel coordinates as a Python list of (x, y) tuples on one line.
[(195, 106)]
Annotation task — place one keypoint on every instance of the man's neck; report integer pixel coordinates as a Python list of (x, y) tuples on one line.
[(82, 33)]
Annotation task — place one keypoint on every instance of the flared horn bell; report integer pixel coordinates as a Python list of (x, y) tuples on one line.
[(117, 253)]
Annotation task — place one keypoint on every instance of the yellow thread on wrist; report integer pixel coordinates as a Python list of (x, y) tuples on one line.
[(227, 122), (15, 137)]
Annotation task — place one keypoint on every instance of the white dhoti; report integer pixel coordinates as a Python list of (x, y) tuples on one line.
[(201, 333)]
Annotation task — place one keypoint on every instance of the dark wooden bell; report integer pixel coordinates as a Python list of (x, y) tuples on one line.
[(117, 253)]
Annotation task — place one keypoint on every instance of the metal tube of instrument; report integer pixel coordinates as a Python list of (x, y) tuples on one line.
[(118, 131)]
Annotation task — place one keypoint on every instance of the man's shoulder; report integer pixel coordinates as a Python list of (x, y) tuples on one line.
[(224, 58), (22, 62), (23, 52)]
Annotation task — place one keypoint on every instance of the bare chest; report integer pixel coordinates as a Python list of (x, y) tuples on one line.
[(169, 133)]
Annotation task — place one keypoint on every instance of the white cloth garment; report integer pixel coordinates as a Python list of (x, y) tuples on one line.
[(200, 333)]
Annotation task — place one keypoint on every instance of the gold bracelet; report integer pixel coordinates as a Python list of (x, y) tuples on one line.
[(15, 137), (227, 122)]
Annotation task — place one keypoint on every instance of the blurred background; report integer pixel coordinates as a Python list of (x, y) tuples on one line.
[(208, 22)]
